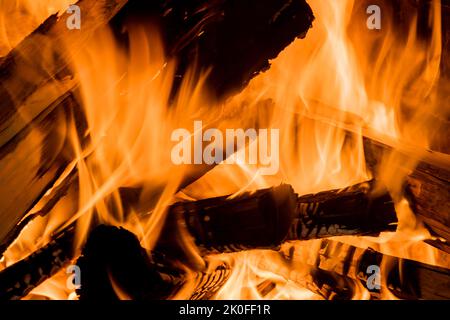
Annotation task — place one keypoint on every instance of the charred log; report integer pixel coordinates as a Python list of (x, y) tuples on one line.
[(114, 255), (266, 218), (406, 279), (259, 220), (232, 39), (19, 279), (355, 210)]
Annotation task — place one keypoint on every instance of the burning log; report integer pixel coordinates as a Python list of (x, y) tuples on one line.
[(19, 279), (406, 279), (232, 39), (35, 101), (266, 218), (112, 259), (113, 264), (35, 74), (30, 164), (336, 271), (427, 189)]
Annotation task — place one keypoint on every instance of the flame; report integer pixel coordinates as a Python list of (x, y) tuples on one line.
[(324, 93), (18, 18)]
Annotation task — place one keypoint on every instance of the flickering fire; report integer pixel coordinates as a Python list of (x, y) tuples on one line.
[(18, 18), (324, 93)]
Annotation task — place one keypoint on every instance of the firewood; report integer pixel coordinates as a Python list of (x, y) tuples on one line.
[(35, 101), (406, 279), (18, 280), (427, 188), (233, 39), (354, 210), (266, 218), (30, 164), (263, 219), (60, 188), (335, 271), (40, 60), (111, 255)]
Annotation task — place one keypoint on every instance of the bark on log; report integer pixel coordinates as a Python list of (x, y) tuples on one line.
[(266, 218), (355, 210)]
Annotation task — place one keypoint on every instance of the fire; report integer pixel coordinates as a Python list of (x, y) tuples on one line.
[(324, 93), (18, 18)]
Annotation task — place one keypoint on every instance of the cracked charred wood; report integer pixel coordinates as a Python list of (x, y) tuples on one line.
[(355, 210), (17, 280), (233, 39), (406, 279), (266, 218), (427, 188)]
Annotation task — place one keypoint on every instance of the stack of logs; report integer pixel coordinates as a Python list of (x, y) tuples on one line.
[(47, 95)]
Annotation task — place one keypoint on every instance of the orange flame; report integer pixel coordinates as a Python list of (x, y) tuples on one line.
[(324, 93), (18, 18)]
